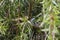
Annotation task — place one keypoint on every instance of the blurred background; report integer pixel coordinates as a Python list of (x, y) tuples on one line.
[(29, 19)]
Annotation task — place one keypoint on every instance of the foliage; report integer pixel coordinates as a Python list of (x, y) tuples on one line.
[(29, 20)]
